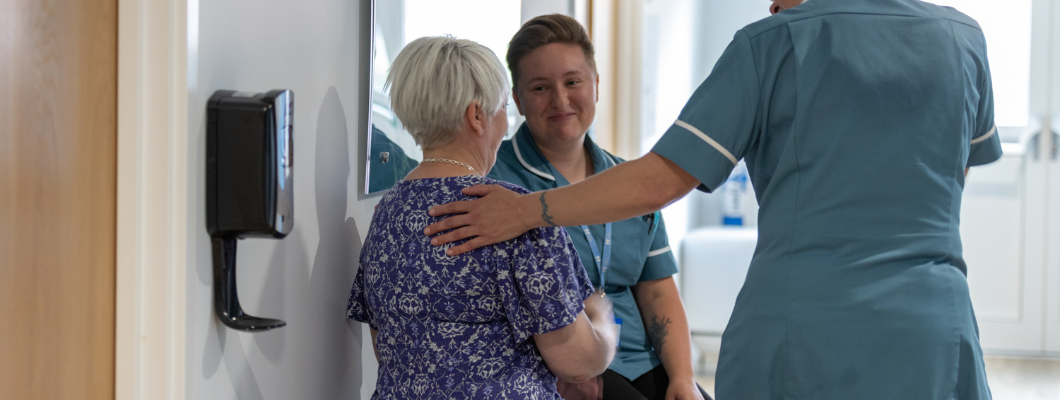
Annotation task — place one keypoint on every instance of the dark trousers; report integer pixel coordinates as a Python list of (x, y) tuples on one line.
[(650, 386)]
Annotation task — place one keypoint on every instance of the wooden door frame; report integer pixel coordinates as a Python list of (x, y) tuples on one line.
[(153, 167)]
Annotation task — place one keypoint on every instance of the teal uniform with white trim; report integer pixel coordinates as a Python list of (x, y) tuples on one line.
[(640, 250), (857, 119)]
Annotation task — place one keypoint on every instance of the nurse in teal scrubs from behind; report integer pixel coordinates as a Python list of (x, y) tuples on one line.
[(551, 60)]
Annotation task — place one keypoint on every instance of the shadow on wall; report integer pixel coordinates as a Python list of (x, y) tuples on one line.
[(335, 262), (318, 349)]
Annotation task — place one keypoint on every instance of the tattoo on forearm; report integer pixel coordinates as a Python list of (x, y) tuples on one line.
[(544, 211), (658, 329)]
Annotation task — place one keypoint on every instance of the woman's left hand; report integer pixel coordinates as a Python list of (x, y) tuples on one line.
[(683, 389)]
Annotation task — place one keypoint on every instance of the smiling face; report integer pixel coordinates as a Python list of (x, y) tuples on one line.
[(557, 92), (781, 5)]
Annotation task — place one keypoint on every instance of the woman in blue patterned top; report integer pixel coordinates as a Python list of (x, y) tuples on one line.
[(503, 321)]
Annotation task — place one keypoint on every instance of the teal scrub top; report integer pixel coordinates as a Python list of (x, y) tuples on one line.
[(857, 119), (640, 250)]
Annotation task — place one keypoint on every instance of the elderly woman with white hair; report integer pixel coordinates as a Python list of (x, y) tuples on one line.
[(503, 321)]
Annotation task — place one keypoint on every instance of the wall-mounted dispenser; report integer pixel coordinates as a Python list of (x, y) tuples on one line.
[(249, 189)]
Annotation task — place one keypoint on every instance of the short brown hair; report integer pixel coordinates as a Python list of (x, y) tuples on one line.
[(545, 30)]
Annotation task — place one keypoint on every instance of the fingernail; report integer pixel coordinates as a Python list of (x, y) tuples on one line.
[(434, 242), (426, 231), (430, 212), (449, 252)]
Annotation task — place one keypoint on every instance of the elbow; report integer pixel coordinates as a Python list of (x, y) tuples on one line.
[(582, 373), (594, 365), (578, 378), (579, 365), (571, 375), (567, 373), (579, 351)]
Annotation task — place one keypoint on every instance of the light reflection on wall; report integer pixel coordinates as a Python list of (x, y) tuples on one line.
[(1007, 26)]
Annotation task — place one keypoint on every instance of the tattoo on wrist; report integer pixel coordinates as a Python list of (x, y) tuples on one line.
[(544, 211), (658, 329)]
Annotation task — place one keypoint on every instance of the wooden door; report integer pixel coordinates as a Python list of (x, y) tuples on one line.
[(58, 152)]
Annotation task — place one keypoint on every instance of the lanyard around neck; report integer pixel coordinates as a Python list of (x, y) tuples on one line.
[(603, 262)]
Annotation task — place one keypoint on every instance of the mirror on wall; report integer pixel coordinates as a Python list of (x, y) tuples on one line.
[(392, 152)]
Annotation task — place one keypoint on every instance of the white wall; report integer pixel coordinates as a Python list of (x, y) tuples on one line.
[(716, 23), (317, 49)]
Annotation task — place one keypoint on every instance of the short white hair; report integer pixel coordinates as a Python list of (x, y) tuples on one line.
[(434, 79)]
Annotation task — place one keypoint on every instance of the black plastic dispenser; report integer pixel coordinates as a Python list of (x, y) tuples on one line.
[(249, 186)]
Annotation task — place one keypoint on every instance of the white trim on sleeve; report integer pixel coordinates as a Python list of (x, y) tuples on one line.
[(526, 165), (986, 136), (654, 253), (707, 139)]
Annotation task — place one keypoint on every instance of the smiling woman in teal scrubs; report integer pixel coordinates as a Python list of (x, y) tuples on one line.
[(858, 120), (552, 66)]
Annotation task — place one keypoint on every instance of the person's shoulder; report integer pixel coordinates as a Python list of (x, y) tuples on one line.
[(809, 10), (397, 192), (952, 14), (769, 24), (828, 9), (507, 185), (435, 190), (764, 25)]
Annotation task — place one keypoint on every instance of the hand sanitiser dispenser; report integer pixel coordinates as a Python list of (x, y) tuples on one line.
[(249, 189)]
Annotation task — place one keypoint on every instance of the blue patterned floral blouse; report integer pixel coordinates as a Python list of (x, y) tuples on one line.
[(461, 327)]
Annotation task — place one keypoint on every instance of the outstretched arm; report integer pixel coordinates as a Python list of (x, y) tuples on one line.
[(629, 189)]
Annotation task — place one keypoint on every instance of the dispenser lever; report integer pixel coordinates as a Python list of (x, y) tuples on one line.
[(226, 300)]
